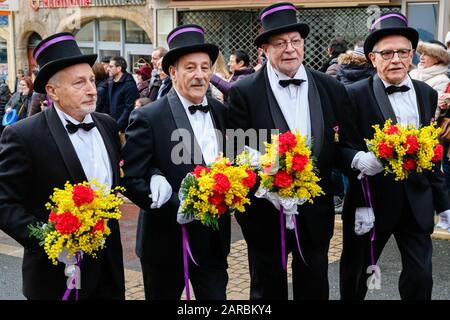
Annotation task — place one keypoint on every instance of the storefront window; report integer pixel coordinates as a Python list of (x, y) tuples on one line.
[(86, 32), (109, 53), (109, 30), (135, 34), (424, 18), (87, 50)]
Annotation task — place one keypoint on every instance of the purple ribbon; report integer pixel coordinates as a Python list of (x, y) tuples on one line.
[(390, 15), (298, 242), (368, 199), (53, 41), (283, 244), (73, 279), (186, 251), (183, 30), (287, 7)]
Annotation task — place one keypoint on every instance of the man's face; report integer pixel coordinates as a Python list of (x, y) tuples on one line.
[(395, 69), (113, 69), (161, 73), (233, 64), (191, 77), (75, 91), (285, 52), (155, 57)]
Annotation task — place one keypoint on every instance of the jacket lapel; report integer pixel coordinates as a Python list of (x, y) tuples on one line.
[(424, 119), (316, 115), (382, 99), (182, 122), (65, 146), (277, 116), (109, 148)]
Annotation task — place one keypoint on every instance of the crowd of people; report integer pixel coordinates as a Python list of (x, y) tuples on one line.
[(129, 120)]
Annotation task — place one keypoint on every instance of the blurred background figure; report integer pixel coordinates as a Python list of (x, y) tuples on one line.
[(5, 95), (105, 63), (141, 102), (19, 76), (219, 69), (143, 75), (20, 100), (166, 81), (353, 65), (336, 46), (101, 83)]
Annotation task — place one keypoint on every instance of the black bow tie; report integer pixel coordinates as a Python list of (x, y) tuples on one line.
[(285, 83), (195, 107), (72, 128), (392, 89)]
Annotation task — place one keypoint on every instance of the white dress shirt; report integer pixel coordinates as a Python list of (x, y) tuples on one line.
[(203, 128), (90, 149), (293, 100), (405, 104)]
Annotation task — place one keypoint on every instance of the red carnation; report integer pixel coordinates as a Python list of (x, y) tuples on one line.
[(282, 179), (392, 130), (222, 184), (385, 150), (221, 208), (198, 171), (438, 153), (409, 164), (216, 198), (67, 223), (99, 226), (250, 181), (82, 195), (411, 145), (286, 142), (236, 200), (299, 162), (52, 216)]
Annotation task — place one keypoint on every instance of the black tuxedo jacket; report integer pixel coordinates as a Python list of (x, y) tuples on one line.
[(36, 156), (252, 105), (150, 149), (424, 192)]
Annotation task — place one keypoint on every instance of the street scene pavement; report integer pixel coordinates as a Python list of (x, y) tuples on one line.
[(239, 282)]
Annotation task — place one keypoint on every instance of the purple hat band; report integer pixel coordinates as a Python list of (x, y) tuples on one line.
[(391, 15), (287, 7), (53, 41), (178, 32)]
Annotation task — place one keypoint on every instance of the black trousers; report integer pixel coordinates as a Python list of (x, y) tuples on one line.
[(269, 281), (415, 247)]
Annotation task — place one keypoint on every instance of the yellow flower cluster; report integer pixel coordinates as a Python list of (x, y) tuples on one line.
[(87, 225), (207, 193), (288, 168), (405, 149)]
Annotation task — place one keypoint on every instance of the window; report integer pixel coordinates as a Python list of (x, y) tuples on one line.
[(86, 33), (135, 34), (424, 18), (109, 30)]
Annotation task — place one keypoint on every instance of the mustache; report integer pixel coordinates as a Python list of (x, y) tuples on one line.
[(198, 82)]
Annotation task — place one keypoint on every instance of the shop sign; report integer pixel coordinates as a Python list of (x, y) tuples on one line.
[(52, 4)]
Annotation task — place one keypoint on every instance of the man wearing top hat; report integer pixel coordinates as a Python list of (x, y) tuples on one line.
[(285, 95), (404, 209), (154, 168), (67, 142)]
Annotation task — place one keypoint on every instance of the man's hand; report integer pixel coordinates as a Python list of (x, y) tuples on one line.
[(364, 220), (161, 191), (367, 163)]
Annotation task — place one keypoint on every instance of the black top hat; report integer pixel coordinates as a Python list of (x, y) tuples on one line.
[(55, 53), (391, 23), (186, 39), (279, 18)]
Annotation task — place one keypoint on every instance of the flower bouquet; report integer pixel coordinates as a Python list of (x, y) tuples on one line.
[(77, 225), (402, 149), (288, 178), (207, 193)]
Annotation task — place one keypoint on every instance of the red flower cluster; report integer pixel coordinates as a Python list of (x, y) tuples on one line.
[(99, 226), (286, 142), (198, 171), (282, 179), (65, 223), (222, 184), (438, 153), (82, 195), (409, 164), (299, 162), (385, 150), (411, 145), (250, 181), (393, 130)]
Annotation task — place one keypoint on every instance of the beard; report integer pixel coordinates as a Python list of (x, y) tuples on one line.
[(87, 109)]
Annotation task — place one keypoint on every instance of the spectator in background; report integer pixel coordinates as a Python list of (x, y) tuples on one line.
[(239, 67), (353, 66), (105, 63), (447, 43), (20, 75), (5, 95), (157, 55), (101, 83), (219, 69), (166, 81), (20, 100), (122, 92), (141, 102), (143, 75), (336, 46)]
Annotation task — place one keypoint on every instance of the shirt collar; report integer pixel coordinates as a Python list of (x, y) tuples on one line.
[(300, 74), (64, 117), (407, 82), (186, 103)]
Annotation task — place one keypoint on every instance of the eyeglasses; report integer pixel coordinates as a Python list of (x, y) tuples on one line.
[(281, 45), (389, 54)]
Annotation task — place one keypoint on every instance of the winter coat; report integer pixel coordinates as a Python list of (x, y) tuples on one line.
[(353, 67), (102, 95), (435, 76), (332, 68)]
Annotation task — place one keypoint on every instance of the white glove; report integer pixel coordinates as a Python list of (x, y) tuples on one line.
[(161, 191), (444, 220), (364, 220), (253, 155), (289, 212), (181, 218), (367, 163)]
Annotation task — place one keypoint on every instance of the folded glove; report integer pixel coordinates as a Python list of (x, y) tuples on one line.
[(289, 209), (444, 220), (364, 220), (181, 218), (253, 155), (367, 163), (161, 191)]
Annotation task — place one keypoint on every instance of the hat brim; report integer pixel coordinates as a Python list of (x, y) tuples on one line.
[(172, 55), (48, 70), (302, 28), (409, 33)]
